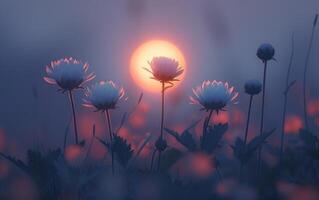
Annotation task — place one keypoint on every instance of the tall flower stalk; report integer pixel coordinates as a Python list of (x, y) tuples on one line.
[(265, 53), (104, 96), (68, 74), (213, 96), (305, 73), (165, 70), (287, 88), (252, 87)]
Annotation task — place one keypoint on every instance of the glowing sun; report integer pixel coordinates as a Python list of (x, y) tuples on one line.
[(145, 53)]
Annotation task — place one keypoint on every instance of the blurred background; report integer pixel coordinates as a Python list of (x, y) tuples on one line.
[(218, 38)]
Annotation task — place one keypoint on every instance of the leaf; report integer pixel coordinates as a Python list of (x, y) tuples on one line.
[(212, 136), (188, 141), (140, 148), (308, 138), (18, 163), (245, 153), (311, 143), (169, 158), (258, 141), (122, 150), (238, 148), (105, 144), (122, 122), (185, 139)]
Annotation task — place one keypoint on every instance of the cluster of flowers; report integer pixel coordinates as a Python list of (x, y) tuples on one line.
[(70, 74)]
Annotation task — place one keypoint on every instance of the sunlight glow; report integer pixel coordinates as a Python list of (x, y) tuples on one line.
[(145, 53)]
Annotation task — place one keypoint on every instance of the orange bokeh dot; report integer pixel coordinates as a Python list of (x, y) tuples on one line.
[(145, 53)]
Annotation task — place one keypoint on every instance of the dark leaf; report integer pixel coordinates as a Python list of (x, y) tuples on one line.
[(18, 163), (170, 157), (122, 150), (212, 136), (105, 144), (82, 143), (311, 143), (140, 148), (238, 148), (122, 122), (258, 141), (245, 153), (186, 139)]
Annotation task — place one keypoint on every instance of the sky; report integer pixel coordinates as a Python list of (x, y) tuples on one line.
[(218, 38)]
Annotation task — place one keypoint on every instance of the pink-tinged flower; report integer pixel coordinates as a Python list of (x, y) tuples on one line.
[(103, 95), (213, 95), (68, 74), (165, 69)]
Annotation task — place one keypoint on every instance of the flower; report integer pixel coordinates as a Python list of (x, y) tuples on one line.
[(103, 95), (164, 69), (213, 95), (68, 73), (265, 52), (253, 87)]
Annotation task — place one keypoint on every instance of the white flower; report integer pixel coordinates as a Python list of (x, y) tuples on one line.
[(68, 73), (213, 95), (164, 69), (103, 95)]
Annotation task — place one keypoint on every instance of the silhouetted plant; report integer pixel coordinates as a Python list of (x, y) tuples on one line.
[(265, 53), (305, 72), (104, 96), (42, 169), (288, 86), (123, 151), (252, 87), (165, 70), (68, 74), (245, 152)]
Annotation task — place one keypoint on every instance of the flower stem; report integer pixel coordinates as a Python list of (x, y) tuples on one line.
[(162, 124), (162, 118), (209, 116), (74, 118), (305, 77), (262, 117), (108, 118), (206, 124), (246, 135), (152, 160), (285, 104)]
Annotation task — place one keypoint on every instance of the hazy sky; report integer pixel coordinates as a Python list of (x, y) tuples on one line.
[(219, 39)]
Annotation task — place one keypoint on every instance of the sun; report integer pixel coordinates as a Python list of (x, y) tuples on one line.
[(145, 53)]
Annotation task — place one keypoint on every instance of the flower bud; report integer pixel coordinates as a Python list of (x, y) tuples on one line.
[(265, 52), (161, 144), (253, 87)]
